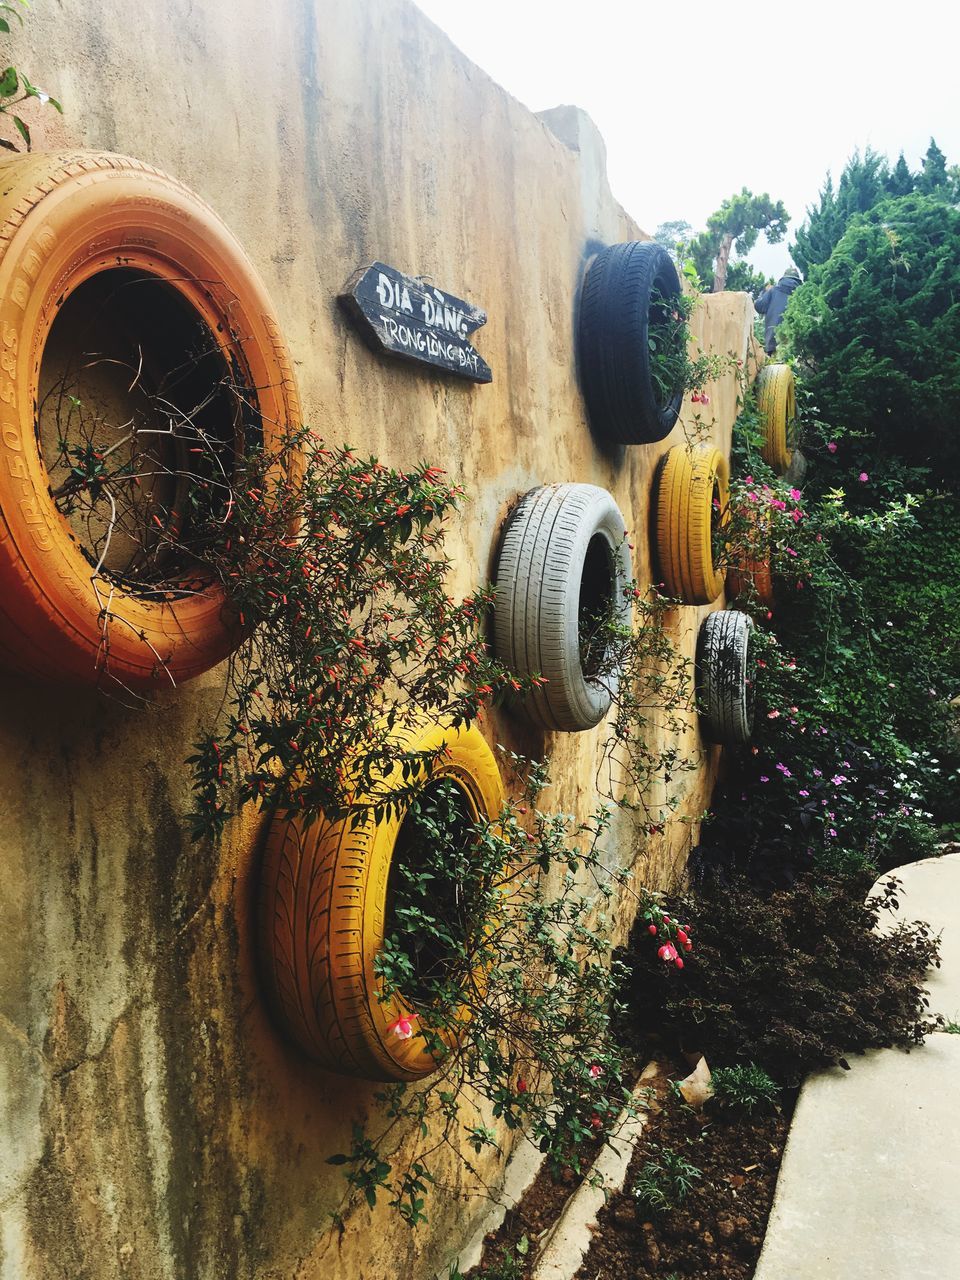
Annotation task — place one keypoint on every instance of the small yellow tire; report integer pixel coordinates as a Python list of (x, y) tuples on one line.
[(323, 918), (777, 402), (692, 497)]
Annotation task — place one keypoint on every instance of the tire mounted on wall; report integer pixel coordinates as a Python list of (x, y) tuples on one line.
[(64, 219), (724, 679), (623, 287), (777, 402), (688, 484), (323, 917), (563, 563)]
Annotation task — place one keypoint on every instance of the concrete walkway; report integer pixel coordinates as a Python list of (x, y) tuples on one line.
[(870, 1183)]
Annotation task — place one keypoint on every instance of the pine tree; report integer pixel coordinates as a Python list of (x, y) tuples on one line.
[(933, 175), (900, 181), (736, 225), (863, 184)]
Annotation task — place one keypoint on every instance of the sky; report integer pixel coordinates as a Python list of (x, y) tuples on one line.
[(697, 100)]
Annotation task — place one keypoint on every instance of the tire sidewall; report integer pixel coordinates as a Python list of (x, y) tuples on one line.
[(91, 221)]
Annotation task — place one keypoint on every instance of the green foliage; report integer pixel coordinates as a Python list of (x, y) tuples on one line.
[(15, 86), (876, 331), (790, 982), (745, 1088), (742, 278), (736, 225), (664, 1182), (498, 936), (675, 236), (863, 184)]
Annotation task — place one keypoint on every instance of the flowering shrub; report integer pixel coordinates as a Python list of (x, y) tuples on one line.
[(498, 936), (789, 982)]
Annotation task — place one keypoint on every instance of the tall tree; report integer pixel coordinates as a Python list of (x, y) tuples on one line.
[(736, 224), (862, 185), (900, 181), (675, 236), (933, 175)]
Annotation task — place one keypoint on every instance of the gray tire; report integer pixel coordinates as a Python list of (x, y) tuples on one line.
[(563, 564), (797, 470), (724, 678)]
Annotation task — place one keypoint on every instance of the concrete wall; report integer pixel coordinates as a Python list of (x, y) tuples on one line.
[(153, 1124)]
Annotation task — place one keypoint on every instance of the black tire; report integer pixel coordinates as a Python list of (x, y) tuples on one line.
[(614, 343), (724, 680), (563, 561)]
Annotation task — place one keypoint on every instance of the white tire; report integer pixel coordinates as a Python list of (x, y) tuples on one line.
[(724, 678), (563, 563)]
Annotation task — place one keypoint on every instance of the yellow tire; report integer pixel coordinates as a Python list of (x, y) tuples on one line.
[(777, 402), (692, 498), (323, 917)]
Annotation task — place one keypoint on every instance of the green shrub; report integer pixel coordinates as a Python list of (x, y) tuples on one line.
[(789, 983), (664, 1182), (746, 1088), (876, 329)]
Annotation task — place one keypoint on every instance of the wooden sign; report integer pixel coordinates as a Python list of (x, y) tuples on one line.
[(404, 316)]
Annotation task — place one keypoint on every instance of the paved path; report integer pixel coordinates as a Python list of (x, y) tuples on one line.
[(870, 1183)]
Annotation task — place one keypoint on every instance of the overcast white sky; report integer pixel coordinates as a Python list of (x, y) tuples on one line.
[(696, 100)]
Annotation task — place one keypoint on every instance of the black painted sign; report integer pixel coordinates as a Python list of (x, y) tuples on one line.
[(407, 317)]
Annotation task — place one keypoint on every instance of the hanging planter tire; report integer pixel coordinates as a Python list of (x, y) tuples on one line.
[(724, 681), (562, 575), (692, 496), (627, 300), (81, 233), (751, 570), (777, 402), (324, 914)]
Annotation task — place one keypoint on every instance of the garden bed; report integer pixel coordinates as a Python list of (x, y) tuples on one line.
[(719, 1228)]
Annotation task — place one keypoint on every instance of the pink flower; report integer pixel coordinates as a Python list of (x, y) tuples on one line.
[(796, 495), (704, 399), (668, 952), (596, 1070), (748, 479), (831, 447), (681, 935), (678, 962), (863, 477), (778, 504), (804, 793), (790, 551), (402, 1028), (764, 778), (773, 715)]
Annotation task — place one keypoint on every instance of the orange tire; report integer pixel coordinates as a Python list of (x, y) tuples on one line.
[(750, 571), (692, 496), (66, 220), (323, 916)]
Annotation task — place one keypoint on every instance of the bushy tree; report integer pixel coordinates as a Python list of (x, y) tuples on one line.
[(877, 332), (862, 185), (736, 225)]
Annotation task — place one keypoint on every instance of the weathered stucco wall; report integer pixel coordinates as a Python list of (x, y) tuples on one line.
[(153, 1124)]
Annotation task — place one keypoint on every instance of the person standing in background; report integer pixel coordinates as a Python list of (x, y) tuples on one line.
[(772, 303)]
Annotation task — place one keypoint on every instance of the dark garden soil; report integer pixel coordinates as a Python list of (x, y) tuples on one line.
[(715, 1235)]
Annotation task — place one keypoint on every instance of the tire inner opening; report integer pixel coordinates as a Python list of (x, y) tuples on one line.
[(596, 605), (666, 338), (434, 896), (139, 420)]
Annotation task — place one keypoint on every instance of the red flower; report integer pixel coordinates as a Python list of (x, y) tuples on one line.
[(651, 928), (668, 952)]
